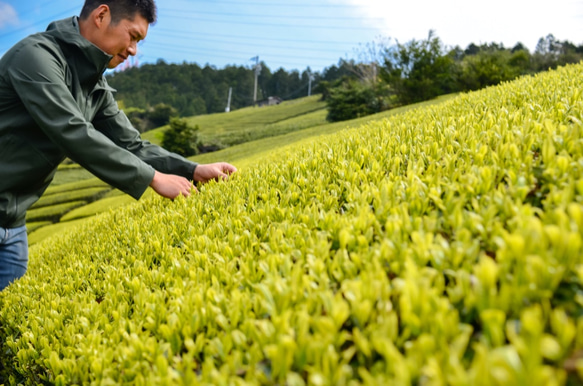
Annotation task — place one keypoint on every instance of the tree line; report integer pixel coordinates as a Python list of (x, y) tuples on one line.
[(155, 90), (382, 77), (391, 75)]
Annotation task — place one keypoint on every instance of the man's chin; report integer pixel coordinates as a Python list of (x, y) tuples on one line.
[(113, 63)]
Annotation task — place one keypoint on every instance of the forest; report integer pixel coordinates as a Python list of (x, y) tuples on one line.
[(383, 75)]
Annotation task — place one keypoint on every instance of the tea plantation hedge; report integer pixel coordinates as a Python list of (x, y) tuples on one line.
[(441, 246)]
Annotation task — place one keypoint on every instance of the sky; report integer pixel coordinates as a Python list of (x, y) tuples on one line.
[(302, 34)]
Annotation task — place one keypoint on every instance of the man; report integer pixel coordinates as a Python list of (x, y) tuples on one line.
[(55, 103)]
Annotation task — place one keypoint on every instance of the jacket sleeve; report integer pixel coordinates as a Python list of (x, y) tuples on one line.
[(39, 78), (118, 128)]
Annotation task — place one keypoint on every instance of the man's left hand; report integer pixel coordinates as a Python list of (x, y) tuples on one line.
[(220, 170)]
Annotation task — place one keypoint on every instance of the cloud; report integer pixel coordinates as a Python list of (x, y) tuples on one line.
[(461, 22), (8, 15)]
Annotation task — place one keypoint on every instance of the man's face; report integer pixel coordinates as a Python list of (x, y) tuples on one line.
[(121, 39)]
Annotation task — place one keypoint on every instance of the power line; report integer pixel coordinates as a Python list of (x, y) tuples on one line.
[(205, 20), (214, 51), (272, 4), (236, 62), (241, 54), (266, 38), (43, 21), (246, 44), (287, 47), (278, 16)]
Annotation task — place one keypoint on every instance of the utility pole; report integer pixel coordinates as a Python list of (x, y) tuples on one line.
[(257, 72), (311, 78), (229, 100)]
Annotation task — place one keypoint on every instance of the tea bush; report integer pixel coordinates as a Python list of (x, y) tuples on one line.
[(440, 246), (52, 213), (87, 194)]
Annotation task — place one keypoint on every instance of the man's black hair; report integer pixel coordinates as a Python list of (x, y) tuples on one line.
[(122, 9)]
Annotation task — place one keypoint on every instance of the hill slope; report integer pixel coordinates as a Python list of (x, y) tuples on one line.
[(252, 123), (441, 246), (291, 116)]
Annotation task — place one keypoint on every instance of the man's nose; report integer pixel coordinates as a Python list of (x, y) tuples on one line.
[(133, 49)]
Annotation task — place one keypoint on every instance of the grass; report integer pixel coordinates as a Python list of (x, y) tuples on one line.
[(253, 123)]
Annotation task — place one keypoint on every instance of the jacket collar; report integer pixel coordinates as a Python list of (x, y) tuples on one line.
[(93, 61)]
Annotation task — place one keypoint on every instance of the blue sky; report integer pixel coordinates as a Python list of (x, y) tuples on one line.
[(300, 34)]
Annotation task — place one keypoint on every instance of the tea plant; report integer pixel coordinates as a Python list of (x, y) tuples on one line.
[(441, 246)]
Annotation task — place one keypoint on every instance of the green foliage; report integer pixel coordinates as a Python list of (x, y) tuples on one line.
[(70, 174), (85, 194), (181, 138), (243, 155), (551, 52), (491, 67), (152, 117), (82, 182), (97, 207), (443, 245), (249, 154), (38, 234), (421, 70), (252, 123), (418, 70), (31, 226), (194, 90), (270, 122), (354, 99), (161, 114), (52, 213), (58, 200)]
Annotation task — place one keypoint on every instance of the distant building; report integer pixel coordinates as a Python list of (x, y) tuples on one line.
[(271, 101)]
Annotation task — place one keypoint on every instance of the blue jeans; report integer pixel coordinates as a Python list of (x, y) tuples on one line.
[(13, 254)]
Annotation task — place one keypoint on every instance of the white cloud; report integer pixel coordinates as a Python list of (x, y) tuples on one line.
[(459, 22), (8, 15)]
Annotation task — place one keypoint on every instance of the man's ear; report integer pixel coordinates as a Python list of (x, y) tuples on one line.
[(101, 16)]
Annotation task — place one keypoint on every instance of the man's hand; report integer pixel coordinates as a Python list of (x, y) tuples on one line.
[(216, 171), (170, 186)]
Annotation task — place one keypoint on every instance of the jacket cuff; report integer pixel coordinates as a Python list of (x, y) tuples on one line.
[(141, 183)]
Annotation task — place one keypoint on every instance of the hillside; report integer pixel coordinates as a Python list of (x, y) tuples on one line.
[(64, 203), (443, 245), (252, 123), (278, 126)]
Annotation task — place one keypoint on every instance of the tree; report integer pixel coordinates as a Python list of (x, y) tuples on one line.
[(181, 138), (352, 98), (161, 114), (488, 68), (198, 106), (334, 73), (369, 57), (418, 70), (550, 53), (546, 53)]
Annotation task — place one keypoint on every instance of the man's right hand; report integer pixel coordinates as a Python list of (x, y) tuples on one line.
[(170, 185)]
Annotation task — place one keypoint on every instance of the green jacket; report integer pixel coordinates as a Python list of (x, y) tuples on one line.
[(56, 103)]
